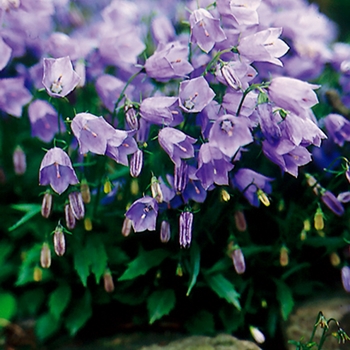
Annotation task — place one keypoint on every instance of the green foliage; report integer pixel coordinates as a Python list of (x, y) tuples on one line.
[(285, 298), (201, 323), (160, 303), (46, 325), (194, 266), (59, 299), (8, 306)]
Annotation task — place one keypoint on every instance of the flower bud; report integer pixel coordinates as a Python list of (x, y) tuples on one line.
[(157, 193), (85, 191), (59, 241), (164, 231), (108, 282), (332, 203), (180, 177), (345, 277), (238, 261), (307, 225), (37, 274), (225, 196), (136, 163), (107, 186), (46, 206), (312, 182), (77, 205), (179, 270), (45, 256), (257, 335), (127, 225), (284, 257), (131, 117), (318, 220), (241, 223), (185, 229), (19, 161), (263, 198), (134, 187), (87, 224), (334, 259), (69, 217)]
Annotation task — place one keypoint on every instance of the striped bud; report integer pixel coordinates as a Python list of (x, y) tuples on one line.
[(164, 231), (69, 217), (284, 257), (241, 223), (85, 191), (59, 241), (180, 177), (345, 278), (136, 163), (45, 256), (46, 205), (131, 117), (127, 225), (19, 161), (108, 282), (157, 193), (77, 205), (185, 229), (238, 261), (318, 220)]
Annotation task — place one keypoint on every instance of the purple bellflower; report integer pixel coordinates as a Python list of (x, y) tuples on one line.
[(169, 61), (229, 133), (264, 46), (185, 229), (59, 77), (177, 144), (195, 94), (43, 119), (249, 182), (56, 170), (232, 99), (338, 128), (143, 214), (213, 166), (205, 29), (92, 133), (5, 54), (332, 202)]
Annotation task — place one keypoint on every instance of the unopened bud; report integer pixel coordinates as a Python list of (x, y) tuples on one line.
[(69, 217), (238, 261), (87, 224), (303, 235), (136, 163), (77, 205), (45, 256), (257, 335), (307, 225), (334, 259), (127, 225), (263, 198), (241, 223), (225, 196), (85, 191), (345, 278), (164, 231), (180, 177), (108, 282), (185, 229), (131, 117), (37, 274), (46, 206), (284, 257), (19, 161), (59, 241), (157, 193), (107, 186), (312, 182), (134, 187), (179, 270), (318, 220)]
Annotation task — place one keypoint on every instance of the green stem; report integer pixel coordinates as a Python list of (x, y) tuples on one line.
[(214, 60)]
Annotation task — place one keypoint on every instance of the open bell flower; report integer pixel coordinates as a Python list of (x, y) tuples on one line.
[(59, 77), (57, 171)]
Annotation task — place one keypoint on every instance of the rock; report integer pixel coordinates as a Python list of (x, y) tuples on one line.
[(220, 342)]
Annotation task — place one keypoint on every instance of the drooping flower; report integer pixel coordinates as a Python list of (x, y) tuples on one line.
[(205, 29), (77, 205), (57, 171), (332, 202), (195, 94), (177, 144), (264, 46), (185, 229), (5, 54), (59, 77), (143, 214), (338, 128), (92, 133), (19, 161)]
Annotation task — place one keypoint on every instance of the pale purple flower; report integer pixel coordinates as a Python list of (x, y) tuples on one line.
[(195, 94), (269, 123), (338, 128), (232, 100), (344, 197), (13, 96), (345, 278), (56, 170), (332, 202), (293, 95), (213, 166), (177, 144), (77, 205), (44, 120), (5, 54), (162, 29), (229, 133), (169, 61), (92, 133), (59, 77), (249, 182), (185, 229), (165, 231), (143, 214), (264, 46), (205, 29), (61, 44), (136, 163), (194, 189), (180, 176), (19, 161)]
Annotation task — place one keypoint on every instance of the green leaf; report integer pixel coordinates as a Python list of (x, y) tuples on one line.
[(59, 300), (81, 263), (31, 209), (201, 323), (79, 314), (5, 250), (194, 267), (160, 303), (30, 302), (95, 249), (8, 306), (285, 298), (46, 325), (223, 288), (143, 262)]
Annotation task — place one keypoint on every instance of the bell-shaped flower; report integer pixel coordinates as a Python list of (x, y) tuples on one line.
[(59, 76), (229, 133), (169, 61), (332, 202), (264, 46), (338, 128), (143, 214), (205, 29), (5, 54), (213, 166), (177, 144), (195, 94), (57, 171), (92, 133)]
